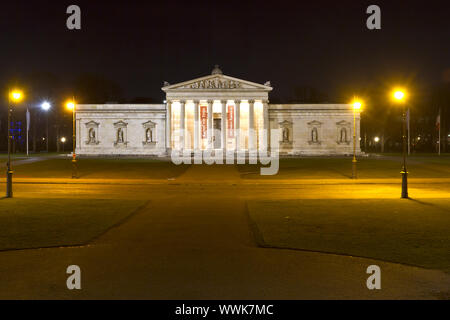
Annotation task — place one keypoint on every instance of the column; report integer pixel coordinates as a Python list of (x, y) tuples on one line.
[(78, 135), (224, 125), (251, 125), (196, 125), (168, 125), (358, 132), (182, 124), (237, 127), (266, 134), (210, 124)]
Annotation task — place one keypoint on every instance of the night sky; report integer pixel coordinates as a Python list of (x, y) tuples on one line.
[(140, 44)]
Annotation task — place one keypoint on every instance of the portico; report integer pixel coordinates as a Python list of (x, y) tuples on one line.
[(217, 112)]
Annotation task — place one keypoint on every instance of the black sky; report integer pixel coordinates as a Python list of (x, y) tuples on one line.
[(140, 44)]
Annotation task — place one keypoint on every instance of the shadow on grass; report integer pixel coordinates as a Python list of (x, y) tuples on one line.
[(408, 232), (429, 204), (43, 223)]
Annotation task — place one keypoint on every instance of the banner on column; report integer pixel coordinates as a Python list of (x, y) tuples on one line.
[(204, 121), (230, 121)]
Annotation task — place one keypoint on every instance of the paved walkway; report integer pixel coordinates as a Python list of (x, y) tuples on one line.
[(194, 242)]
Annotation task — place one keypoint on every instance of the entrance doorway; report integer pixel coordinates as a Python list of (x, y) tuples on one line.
[(217, 129)]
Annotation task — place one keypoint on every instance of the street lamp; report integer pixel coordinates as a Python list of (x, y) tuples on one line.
[(376, 140), (46, 106), (356, 107), (63, 140), (15, 96), (399, 97), (70, 105)]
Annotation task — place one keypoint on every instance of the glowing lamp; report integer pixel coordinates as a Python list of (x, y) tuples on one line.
[(45, 106), (399, 95), (16, 95), (357, 105), (70, 105)]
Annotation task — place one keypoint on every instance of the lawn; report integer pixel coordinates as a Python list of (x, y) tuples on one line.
[(38, 223), (422, 166), (4, 158), (21, 155), (101, 168), (403, 231), (386, 166)]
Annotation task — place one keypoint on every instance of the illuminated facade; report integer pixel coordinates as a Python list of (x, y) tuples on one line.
[(215, 112)]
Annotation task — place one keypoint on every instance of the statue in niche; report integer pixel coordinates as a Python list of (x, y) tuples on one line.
[(91, 134), (343, 136), (120, 135), (314, 135), (149, 135), (285, 134)]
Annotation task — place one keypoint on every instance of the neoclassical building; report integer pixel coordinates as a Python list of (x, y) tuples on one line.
[(215, 112)]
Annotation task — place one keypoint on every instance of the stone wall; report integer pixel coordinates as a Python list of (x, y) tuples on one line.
[(315, 129), (121, 129)]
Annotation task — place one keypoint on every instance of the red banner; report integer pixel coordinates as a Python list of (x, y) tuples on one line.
[(204, 121), (230, 121)]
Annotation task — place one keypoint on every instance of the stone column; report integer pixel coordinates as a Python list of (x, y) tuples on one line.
[(266, 132), (182, 124), (358, 133), (237, 116), (224, 125), (210, 124), (251, 125), (168, 125), (196, 125)]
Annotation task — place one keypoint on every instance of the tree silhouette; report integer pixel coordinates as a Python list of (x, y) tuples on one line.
[(94, 88)]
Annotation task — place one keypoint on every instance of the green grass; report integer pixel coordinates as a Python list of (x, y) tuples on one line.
[(4, 159), (22, 155), (341, 167), (101, 169), (385, 166), (403, 231), (38, 223)]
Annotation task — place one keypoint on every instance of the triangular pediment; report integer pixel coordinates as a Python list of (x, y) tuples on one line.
[(216, 82), (285, 123), (314, 123), (343, 123), (120, 123), (91, 124), (149, 124)]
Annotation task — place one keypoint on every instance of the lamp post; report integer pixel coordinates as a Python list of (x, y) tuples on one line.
[(46, 106), (15, 96), (356, 106), (399, 96), (71, 106), (376, 140), (63, 140)]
